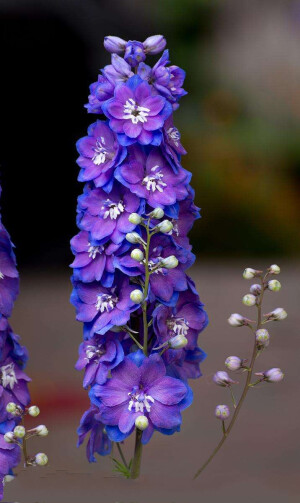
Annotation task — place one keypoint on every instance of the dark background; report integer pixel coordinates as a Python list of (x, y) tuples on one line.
[(240, 126)]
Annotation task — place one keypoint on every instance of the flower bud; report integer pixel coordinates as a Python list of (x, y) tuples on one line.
[(19, 431), (114, 44), (178, 341), (135, 218), (250, 273), (154, 44), (42, 430), (274, 269), (9, 437), (137, 255), (165, 226), (237, 320), (255, 289), (41, 459), (278, 314), (234, 363), (221, 378), (169, 262), (133, 237), (8, 478), (137, 296), (222, 412), (157, 214), (11, 407), (262, 337), (272, 375), (142, 422), (33, 411), (249, 300), (274, 285)]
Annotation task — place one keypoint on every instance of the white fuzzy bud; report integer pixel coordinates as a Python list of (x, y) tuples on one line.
[(249, 300), (233, 363), (249, 273), (221, 378), (41, 459), (273, 375), (19, 432), (142, 423), (262, 337), (135, 218), (165, 226), (157, 214), (278, 314), (178, 341), (274, 285), (222, 412), (33, 411), (42, 430), (9, 437), (137, 296), (255, 289), (11, 407), (237, 320), (169, 262), (137, 255), (133, 237), (274, 269)]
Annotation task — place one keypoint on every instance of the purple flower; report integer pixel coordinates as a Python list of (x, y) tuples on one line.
[(152, 178), (141, 390), (134, 52), (98, 356), (188, 213), (9, 278), (13, 387), (107, 214), (99, 153), (100, 91), (172, 145), (118, 72), (152, 45), (98, 442), (114, 44), (104, 307), (10, 457), (135, 114), (185, 364)]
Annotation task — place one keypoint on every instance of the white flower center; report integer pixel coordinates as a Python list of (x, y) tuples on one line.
[(93, 351), (140, 401), (1, 275), (154, 182), (174, 135), (105, 302), (134, 112), (153, 265), (178, 325), (101, 153), (93, 250), (8, 376), (113, 210)]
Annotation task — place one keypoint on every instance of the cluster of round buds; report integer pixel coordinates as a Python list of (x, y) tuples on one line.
[(234, 363), (222, 412), (237, 320), (221, 378), (262, 338), (272, 375), (278, 314), (250, 273)]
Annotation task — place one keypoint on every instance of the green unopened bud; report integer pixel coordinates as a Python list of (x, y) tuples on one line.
[(249, 273), (41, 459), (274, 285), (9, 437), (11, 407), (274, 269), (142, 422), (157, 213), (169, 262), (178, 341), (165, 226), (135, 218), (137, 255), (19, 431), (33, 411), (133, 237), (249, 299), (42, 430), (262, 337), (137, 296)]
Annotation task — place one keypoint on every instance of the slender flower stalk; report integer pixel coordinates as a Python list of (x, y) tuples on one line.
[(141, 312), (257, 348)]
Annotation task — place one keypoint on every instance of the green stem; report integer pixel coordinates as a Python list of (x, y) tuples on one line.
[(245, 390), (24, 447), (121, 454), (136, 462)]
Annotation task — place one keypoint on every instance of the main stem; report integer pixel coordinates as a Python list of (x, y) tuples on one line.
[(24, 447), (245, 390), (137, 458)]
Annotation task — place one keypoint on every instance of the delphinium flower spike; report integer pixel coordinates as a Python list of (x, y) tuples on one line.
[(141, 312), (14, 394), (261, 339)]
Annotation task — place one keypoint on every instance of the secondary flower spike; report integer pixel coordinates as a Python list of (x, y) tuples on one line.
[(141, 313)]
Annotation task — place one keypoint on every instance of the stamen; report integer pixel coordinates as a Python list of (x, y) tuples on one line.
[(105, 302), (154, 182), (134, 112), (8, 376), (178, 325), (100, 152)]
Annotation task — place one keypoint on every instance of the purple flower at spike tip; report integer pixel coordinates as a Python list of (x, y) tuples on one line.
[(151, 178), (152, 45), (13, 386), (141, 389), (9, 277), (99, 153), (98, 441), (98, 356), (107, 214), (10, 457), (100, 91), (93, 261), (164, 283), (135, 114), (104, 307), (134, 53), (118, 72)]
